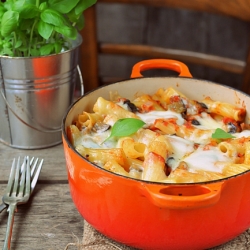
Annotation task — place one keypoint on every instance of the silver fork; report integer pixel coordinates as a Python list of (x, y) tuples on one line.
[(17, 192), (34, 173)]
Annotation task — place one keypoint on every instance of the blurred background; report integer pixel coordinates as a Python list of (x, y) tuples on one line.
[(175, 28)]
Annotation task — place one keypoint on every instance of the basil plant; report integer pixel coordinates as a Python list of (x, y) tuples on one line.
[(40, 27)]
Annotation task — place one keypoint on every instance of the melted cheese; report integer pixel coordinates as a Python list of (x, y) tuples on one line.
[(151, 116), (244, 133), (181, 148), (207, 122), (97, 140), (203, 159), (200, 159)]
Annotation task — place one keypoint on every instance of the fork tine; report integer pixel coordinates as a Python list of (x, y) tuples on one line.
[(33, 165), (11, 177), (36, 176), (23, 175), (17, 173), (31, 162), (27, 187)]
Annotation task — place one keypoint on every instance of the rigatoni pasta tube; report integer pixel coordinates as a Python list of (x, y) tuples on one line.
[(233, 169), (186, 131), (87, 120), (247, 153), (105, 107), (146, 136), (131, 148), (228, 148), (225, 109), (73, 133), (154, 168), (239, 144), (158, 147), (114, 167), (166, 95), (145, 103), (102, 156)]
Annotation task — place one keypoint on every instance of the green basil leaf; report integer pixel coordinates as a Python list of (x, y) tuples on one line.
[(2, 10), (34, 52), (18, 44), (46, 49), (63, 6), (58, 47), (7, 52), (80, 23), (18, 4), (53, 17), (29, 11), (72, 16), (43, 6), (221, 134), (125, 127), (9, 22), (69, 32), (83, 5), (45, 29)]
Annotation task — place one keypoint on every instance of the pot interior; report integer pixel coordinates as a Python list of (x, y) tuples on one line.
[(193, 89)]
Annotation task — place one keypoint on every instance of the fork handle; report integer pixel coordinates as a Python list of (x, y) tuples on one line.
[(7, 241)]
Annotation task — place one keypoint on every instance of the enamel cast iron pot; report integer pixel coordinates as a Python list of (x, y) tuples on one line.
[(149, 215)]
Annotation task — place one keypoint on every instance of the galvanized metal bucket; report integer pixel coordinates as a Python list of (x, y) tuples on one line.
[(35, 92)]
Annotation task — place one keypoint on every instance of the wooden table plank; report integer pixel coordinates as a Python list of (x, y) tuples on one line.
[(48, 221), (54, 167)]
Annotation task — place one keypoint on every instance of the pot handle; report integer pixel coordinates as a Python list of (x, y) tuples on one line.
[(174, 65), (183, 197)]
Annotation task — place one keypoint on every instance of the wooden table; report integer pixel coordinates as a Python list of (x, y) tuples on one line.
[(50, 221)]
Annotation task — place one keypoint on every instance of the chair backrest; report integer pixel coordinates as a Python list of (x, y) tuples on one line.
[(91, 47)]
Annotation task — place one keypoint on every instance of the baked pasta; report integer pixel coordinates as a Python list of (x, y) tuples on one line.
[(165, 137)]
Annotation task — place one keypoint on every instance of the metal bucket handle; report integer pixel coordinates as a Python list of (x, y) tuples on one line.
[(43, 130)]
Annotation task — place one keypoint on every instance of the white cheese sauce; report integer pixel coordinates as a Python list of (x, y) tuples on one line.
[(207, 122), (151, 116), (97, 140), (203, 159), (180, 147), (244, 133)]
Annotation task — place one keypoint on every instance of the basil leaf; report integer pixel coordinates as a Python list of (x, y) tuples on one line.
[(221, 134), (9, 22), (46, 49), (80, 23), (67, 31), (29, 11), (53, 17), (63, 6), (83, 5), (125, 127), (58, 47), (45, 29), (43, 6)]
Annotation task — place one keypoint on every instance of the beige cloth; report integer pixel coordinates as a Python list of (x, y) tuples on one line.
[(93, 240)]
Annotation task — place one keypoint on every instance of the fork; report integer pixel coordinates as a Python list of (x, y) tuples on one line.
[(17, 192), (34, 177)]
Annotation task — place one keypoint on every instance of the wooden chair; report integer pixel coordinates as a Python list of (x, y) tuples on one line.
[(91, 47)]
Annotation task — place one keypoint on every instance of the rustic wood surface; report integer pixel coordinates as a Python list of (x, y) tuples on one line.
[(50, 221)]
